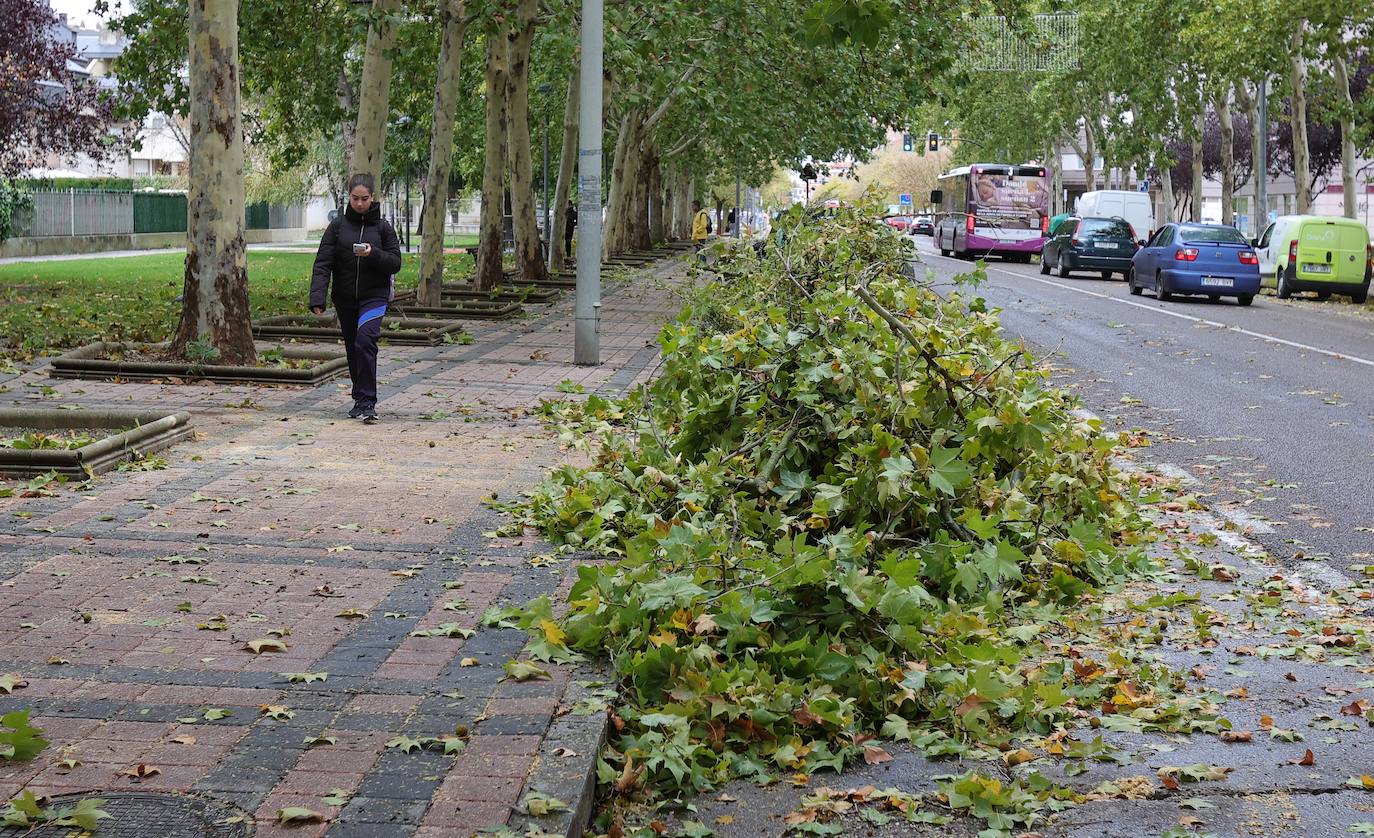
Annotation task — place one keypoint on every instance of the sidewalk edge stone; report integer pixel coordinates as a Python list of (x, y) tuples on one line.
[(571, 779)]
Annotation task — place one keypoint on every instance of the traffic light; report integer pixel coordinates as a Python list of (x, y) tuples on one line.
[(932, 141), (906, 142)]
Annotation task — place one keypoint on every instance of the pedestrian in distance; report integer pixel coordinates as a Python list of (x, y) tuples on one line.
[(355, 268), (568, 226), (730, 221), (701, 224)]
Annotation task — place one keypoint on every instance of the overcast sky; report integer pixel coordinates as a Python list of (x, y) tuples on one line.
[(79, 10)]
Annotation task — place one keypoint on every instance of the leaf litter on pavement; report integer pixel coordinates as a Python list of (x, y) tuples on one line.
[(850, 515)]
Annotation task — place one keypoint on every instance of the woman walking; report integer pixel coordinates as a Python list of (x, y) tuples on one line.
[(357, 262)]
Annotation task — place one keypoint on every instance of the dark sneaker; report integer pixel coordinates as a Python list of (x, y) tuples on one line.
[(370, 416), (357, 411)]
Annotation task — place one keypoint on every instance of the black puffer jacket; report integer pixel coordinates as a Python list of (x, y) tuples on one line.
[(355, 279)]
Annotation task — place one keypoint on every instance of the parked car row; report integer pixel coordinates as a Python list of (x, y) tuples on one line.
[(1295, 253)]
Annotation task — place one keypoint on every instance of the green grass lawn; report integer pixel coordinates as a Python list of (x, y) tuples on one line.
[(46, 306)]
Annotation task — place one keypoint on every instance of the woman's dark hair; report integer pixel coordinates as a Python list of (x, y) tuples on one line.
[(363, 180)]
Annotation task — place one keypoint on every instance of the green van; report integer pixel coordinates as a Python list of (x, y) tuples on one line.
[(1325, 254)]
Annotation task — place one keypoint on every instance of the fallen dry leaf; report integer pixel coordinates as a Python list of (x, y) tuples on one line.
[(140, 771), (874, 754), (1305, 759), (1237, 736)]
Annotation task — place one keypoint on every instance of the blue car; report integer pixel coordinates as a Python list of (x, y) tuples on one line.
[(1210, 259)]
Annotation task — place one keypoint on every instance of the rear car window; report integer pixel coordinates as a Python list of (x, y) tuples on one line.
[(1225, 235), (1105, 227)]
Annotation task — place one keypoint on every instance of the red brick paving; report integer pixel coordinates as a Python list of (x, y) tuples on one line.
[(284, 517)]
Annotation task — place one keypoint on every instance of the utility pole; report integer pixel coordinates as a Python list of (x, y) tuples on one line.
[(587, 326), (739, 210), (1261, 166)]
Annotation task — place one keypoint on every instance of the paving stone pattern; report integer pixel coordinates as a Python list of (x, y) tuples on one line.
[(127, 603)]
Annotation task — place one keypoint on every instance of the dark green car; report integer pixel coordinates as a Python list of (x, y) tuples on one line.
[(1105, 245)]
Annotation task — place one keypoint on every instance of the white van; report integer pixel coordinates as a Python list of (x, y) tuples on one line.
[(1135, 207)]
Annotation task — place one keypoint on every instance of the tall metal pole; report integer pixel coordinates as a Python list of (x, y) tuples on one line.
[(1261, 166), (739, 209), (587, 331)]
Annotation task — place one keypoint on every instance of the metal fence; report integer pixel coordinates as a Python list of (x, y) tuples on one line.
[(159, 212), (80, 212)]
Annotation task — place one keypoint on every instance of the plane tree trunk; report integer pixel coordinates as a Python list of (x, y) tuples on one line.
[(529, 252), (1297, 82), (494, 167), (214, 309), (446, 90), (375, 93), (567, 160)]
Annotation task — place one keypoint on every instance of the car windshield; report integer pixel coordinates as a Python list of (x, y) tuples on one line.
[(1104, 227), (1211, 235)]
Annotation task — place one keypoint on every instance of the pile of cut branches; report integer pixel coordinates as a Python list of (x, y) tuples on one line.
[(847, 508)]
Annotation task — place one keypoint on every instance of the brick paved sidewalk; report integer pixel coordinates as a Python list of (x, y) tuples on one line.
[(128, 605)]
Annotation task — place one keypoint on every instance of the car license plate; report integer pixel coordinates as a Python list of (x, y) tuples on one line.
[(1317, 268), (1218, 281), (1106, 245)]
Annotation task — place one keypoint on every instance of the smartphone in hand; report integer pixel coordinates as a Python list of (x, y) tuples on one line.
[(359, 248)]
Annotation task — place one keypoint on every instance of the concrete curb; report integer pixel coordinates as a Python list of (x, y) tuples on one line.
[(571, 778)]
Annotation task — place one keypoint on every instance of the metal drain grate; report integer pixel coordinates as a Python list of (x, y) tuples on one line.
[(162, 815)]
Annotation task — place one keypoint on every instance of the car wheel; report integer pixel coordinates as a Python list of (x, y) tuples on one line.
[(1130, 281), (1161, 293), (1063, 267), (1044, 264), (1285, 289), (1361, 295), (1245, 299), (1106, 274), (1215, 298)]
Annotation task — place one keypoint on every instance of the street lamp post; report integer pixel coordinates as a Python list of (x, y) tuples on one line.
[(587, 308), (544, 90)]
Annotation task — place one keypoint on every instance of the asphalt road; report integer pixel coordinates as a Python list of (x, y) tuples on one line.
[(1271, 407)]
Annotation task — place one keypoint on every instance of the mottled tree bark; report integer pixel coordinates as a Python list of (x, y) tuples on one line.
[(214, 307), (1195, 211), (348, 103), (657, 204), (529, 252), (446, 89), (1166, 182), (1257, 166), (1347, 133), (567, 168), (681, 229), (640, 236), (1228, 157), (494, 167), (1297, 83), (624, 174), (375, 94)]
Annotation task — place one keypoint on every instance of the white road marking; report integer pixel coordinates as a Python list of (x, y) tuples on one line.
[(1173, 472), (1309, 592), (1340, 356), (1246, 521)]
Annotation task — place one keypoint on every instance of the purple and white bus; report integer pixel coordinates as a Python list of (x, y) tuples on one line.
[(992, 209)]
